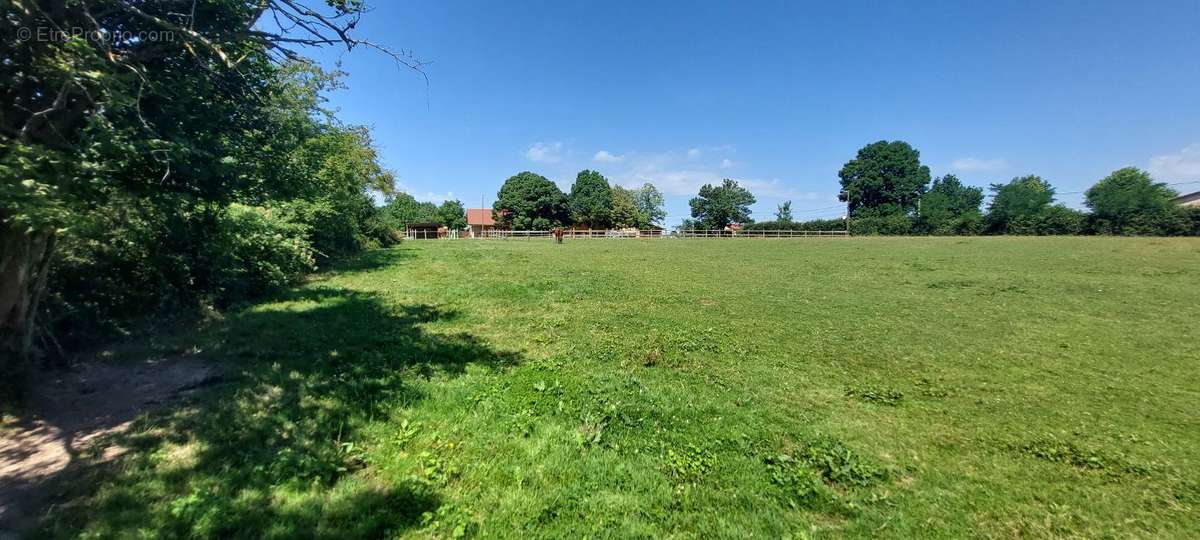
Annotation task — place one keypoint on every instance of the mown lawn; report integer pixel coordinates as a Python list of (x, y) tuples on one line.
[(940, 387)]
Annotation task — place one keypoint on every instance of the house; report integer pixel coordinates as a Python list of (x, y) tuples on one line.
[(480, 221), (1191, 199)]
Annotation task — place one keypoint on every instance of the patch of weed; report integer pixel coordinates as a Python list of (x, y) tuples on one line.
[(876, 395)]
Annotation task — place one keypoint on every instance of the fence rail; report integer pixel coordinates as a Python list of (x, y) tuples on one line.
[(702, 233), (630, 233)]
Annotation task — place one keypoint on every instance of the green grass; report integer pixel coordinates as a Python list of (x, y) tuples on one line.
[(941, 387)]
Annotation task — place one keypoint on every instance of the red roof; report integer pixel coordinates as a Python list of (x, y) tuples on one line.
[(480, 216)]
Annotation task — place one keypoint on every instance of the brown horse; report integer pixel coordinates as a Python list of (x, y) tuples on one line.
[(558, 234)]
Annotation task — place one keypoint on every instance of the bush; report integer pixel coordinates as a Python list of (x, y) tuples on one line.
[(970, 223), (1165, 222), (1051, 220), (871, 224), (813, 225), (256, 250), (1191, 216)]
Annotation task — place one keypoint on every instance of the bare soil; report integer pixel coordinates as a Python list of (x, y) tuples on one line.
[(69, 412)]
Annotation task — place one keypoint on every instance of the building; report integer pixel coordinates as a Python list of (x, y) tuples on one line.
[(425, 231), (480, 221), (1191, 199)]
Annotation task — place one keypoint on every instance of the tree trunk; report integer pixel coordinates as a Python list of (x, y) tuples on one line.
[(24, 266)]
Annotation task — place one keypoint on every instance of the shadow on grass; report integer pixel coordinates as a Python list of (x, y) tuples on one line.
[(273, 450), (371, 260)]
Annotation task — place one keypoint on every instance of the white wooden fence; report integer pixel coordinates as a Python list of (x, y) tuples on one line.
[(630, 233)]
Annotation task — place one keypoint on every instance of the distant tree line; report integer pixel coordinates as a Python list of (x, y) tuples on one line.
[(529, 201), (888, 191)]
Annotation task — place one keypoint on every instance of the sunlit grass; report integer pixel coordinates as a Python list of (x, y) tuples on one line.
[(691, 388)]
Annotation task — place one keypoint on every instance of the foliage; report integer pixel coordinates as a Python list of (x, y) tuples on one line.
[(882, 220), (886, 177), (716, 207), (403, 210), (1050, 220), (256, 250), (529, 201), (122, 156), (650, 204), (811, 225), (1022, 198), (783, 214), (591, 201), (1128, 201), (625, 213), (453, 215), (950, 208)]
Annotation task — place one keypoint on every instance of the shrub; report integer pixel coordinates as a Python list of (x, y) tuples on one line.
[(813, 225), (870, 224), (256, 250), (1051, 220)]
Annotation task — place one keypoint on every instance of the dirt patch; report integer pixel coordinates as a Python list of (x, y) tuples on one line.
[(68, 412)]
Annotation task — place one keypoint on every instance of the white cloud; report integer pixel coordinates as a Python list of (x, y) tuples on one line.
[(971, 164), (1183, 165), (726, 163), (604, 156), (545, 152), (693, 153)]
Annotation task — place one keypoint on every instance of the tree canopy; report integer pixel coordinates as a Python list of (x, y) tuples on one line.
[(949, 207), (591, 200), (716, 207), (625, 212), (452, 215), (185, 150), (1130, 201), (1021, 197), (783, 214), (529, 201), (650, 203), (885, 177)]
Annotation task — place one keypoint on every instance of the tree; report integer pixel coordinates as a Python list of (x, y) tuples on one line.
[(591, 200), (886, 177), (949, 207), (650, 203), (625, 211), (784, 213), (403, 210), (1022, 197), (176, 125), (1129, 201), (453, 215), (718, 207), (529, 201)]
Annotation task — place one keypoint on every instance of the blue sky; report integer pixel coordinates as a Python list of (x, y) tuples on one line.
[(777, 95)]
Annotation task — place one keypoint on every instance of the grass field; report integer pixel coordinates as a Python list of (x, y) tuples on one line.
[(940, 387)]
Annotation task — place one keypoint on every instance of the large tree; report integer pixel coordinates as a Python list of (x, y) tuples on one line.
[(625, 212), (949, 207), (1129, 201), (1021, 198), (453, 215), (716, 207), (156, 101), (403, 210), (650, 203), (529, 201), (885, 177), (591, 200)]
